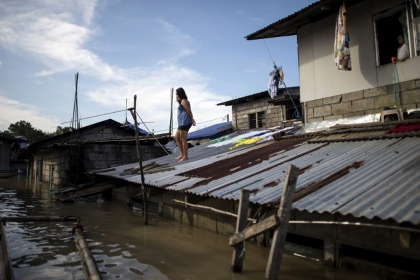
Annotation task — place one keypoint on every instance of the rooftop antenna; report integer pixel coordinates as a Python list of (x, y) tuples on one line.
[(75, 122)]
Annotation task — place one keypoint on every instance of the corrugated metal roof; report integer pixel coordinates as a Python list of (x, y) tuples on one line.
[(290, 24), (362, 175)]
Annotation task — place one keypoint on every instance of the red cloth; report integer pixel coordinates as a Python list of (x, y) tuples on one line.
[(405, 127)]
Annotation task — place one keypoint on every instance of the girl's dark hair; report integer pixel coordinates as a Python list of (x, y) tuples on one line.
[(181, 93)]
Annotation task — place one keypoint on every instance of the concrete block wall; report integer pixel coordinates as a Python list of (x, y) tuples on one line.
[(240, 112), (104, 156), (364, 102), (106, 133), (60, 160)]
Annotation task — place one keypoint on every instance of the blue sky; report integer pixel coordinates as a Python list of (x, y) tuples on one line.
[(122, 48)]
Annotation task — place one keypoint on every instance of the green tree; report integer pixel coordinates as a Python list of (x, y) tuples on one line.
[(61, 130), (25, 129)]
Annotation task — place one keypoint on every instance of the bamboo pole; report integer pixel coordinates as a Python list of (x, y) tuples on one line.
[(279, 239), (212, 209), (134, 114), (39, 219), (90, 267), (170, 119), (6, 269), (237, 257)]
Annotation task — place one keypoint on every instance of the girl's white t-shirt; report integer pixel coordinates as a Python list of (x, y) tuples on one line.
[(402, 52)]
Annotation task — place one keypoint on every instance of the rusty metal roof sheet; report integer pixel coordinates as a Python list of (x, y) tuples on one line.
[(363, 174)]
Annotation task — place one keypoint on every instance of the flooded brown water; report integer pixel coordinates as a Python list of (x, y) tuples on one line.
[(124, 247)]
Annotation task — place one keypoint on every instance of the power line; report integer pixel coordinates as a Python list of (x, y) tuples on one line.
[(210, 120), (196, 123), (97, 116)]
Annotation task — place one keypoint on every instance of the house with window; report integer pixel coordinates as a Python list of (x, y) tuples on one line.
[(64, 159), (9, 147), (259, 110), (374, 82)]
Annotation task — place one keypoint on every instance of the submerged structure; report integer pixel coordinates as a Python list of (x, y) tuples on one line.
[(349, 174)]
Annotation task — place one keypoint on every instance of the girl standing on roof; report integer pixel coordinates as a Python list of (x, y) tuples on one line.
[(185, 121)]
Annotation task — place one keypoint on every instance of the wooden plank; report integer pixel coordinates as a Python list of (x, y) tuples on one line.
[(211, 209), (38, 219), (279, 239), (8, 174), (85, 192), (237, 258), (103, 170), (254, 230)]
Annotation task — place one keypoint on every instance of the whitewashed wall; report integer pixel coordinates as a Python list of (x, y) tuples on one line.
[(319, 77)]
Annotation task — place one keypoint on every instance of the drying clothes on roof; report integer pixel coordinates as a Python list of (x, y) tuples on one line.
[(405, 127), (217, 140), (276, 77), (246, 135), (341, 42), (241, 142)]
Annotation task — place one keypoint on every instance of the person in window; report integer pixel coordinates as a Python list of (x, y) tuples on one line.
[(185, 121), (402, 53)]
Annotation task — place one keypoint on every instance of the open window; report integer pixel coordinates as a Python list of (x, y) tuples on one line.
[(256, 120), (402, 19)]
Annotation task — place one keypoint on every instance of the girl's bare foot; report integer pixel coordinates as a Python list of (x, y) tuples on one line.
[(182, 159), (178, 158)]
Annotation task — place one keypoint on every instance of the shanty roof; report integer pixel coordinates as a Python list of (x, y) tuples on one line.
[(282, 95), (289, 25), (10, 138), (362, 171), (210, 131)]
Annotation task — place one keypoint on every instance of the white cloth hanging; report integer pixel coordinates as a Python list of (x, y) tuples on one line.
[(272, 84), (276, 77)]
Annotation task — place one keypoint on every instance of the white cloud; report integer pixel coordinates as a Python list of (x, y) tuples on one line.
[(152, 88), (176, 39), (13, 111), (55, 33)]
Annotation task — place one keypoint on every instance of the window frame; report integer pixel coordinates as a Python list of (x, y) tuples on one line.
[(258, 118), (412, 33)]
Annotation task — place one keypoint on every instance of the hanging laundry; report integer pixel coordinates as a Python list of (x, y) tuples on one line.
[(341, 42), (276, 77)]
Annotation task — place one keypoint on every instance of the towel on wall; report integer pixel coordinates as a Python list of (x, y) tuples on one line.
[(341, 42)]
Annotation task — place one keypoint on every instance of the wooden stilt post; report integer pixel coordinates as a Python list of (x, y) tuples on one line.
[(237, 259), (279, 238), (144, 192)]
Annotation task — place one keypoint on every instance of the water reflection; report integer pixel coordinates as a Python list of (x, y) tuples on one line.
[(123, 247)]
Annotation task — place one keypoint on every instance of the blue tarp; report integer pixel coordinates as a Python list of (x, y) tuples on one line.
[(131, 126), (212, 132)]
